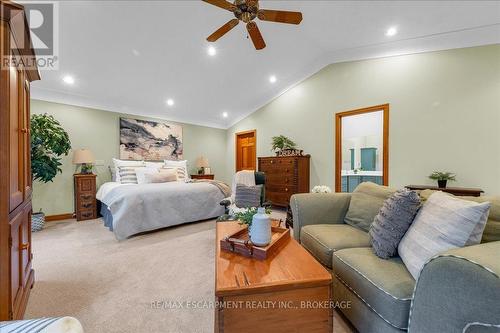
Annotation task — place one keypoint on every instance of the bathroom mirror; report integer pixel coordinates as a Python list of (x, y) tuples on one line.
[(361, 147)]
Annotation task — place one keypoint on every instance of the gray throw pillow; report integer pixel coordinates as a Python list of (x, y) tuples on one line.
[(366, 201), (392, 222), (247, 196)]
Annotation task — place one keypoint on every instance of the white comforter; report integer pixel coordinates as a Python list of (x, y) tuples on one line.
[(138, 208)]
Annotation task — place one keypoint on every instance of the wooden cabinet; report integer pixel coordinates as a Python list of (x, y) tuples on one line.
[(285, 176), (16, 273), (85, 201)]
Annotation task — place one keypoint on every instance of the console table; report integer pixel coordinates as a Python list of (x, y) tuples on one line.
[(458, 191)]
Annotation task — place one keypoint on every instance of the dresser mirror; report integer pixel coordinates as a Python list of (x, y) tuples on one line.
[(361, 147)]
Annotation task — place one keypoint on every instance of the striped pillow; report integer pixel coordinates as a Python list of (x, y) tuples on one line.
[(247, 196), (181, 172), (128, 174)]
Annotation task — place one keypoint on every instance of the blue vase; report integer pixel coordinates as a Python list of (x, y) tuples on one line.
[(260, 234)]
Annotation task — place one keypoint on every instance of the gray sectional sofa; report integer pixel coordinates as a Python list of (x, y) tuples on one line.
[(457, 291)]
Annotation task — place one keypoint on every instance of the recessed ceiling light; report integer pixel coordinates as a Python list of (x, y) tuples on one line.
[(272, 79), (170, 102), (68, 79), (391, 31), (211, 51), (225, 114), (136, 53)]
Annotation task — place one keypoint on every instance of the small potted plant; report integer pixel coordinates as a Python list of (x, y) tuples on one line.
[(442, 177), (49, 141), (281, 144)]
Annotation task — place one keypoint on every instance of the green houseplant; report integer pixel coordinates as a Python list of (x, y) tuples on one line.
[(442, 177), (281, 142), (49, 142)]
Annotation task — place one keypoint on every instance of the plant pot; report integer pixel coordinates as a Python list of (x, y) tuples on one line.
[(442, 183), (37, 221)]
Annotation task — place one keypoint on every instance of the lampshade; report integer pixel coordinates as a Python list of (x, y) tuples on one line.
[(83, 156), (202, 162)]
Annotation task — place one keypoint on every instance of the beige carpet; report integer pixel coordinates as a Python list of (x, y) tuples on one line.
[(82, 271)]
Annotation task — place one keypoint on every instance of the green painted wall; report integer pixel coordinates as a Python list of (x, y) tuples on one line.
[(99, 131), (444, 115)]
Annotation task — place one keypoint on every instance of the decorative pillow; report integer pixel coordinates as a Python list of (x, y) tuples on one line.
[(162, 176), (181, 172), (141, 174), (124, 163), (182, 165), (366, 201), (392, 222), (154, 165), (128, 174), (247, 196), (443, 223)]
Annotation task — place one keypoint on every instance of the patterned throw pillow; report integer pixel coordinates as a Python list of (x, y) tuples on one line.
[(392, 222), (128, 174), (181, 172), (247, 196), (443, 223), (161, 176)]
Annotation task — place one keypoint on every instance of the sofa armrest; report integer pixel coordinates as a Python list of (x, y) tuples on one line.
[(458, 290), (318, 208)]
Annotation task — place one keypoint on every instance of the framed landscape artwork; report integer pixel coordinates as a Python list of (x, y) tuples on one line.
[(149, 140)]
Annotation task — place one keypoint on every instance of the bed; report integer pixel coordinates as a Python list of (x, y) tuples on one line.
[(129, 209)]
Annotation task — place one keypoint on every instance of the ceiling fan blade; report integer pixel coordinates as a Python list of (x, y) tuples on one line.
[(222, 4), (280, 16), (223, 30), (254, 32)]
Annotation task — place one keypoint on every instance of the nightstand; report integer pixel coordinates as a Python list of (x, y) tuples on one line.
[(203, 176), (85, 201)]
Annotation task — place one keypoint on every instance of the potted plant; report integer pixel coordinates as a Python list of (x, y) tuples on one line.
[(442, 177), (49, 142), (281, 144)]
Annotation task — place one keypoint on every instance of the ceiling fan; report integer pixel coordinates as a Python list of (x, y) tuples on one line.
[(247, 11)]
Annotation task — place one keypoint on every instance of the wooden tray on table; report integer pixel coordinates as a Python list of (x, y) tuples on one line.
[(239, 242)]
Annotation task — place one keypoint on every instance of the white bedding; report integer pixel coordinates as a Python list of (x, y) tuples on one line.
[(136, 208)]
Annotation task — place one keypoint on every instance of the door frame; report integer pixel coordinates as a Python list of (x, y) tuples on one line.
[(254, 131), (338, 142)]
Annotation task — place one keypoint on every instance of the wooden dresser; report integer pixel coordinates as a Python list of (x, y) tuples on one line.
[(16, 274), (285, 176), (85, 201)]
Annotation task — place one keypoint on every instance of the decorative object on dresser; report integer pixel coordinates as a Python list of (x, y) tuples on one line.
[(85, 200), (85, 159), (283, 146), (149, 140), (285, 176), (16, 274), (458, 191), (203, 165), (204, 176)]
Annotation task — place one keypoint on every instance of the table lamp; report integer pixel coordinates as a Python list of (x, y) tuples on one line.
[(85, 158), (201, 164)]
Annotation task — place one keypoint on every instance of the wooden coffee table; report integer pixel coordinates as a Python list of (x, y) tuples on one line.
[(288, 292)]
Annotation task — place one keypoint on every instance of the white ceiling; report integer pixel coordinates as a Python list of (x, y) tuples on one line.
[(130, 56)]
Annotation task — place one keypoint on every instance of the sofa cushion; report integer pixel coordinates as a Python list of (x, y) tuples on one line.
[(366, 201), (324, 239), (385, 285), (491, 231)]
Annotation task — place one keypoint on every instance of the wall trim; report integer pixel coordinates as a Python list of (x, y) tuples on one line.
[(59, 217)]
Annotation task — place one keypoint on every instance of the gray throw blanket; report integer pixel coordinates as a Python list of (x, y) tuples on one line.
[(223, 187)]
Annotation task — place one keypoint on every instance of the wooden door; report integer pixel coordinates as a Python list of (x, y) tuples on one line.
[(246, 150), (16, 139), (26, 138)]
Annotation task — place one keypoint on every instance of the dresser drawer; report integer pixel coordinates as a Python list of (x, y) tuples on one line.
[(86, 214), (285, 179), (86, 205), (278, 198), (277, 162), (281, 188)]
